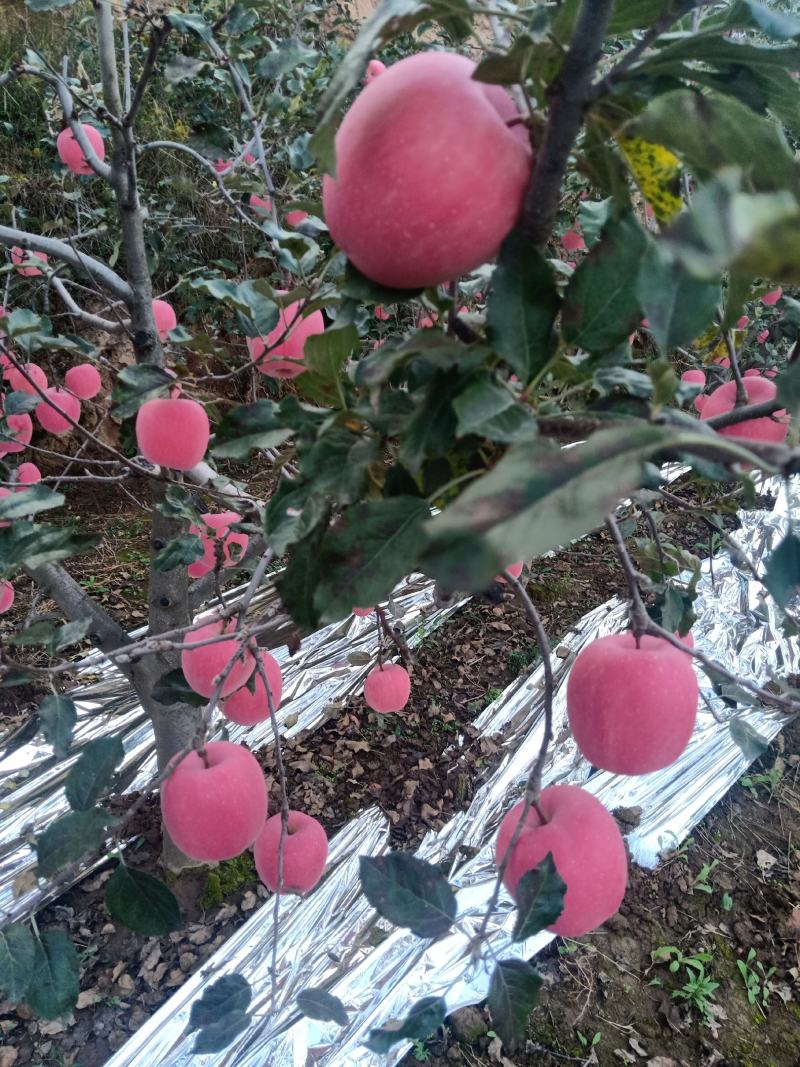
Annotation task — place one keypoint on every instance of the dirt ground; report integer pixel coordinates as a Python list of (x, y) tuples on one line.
[(603, 985)]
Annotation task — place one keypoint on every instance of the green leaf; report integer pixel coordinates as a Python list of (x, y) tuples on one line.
[(488, 409), (408, 892), (711, 131), (29, 501), (32, 545), (601, 307), (782, 574), (540, 899), (142, 903), (17, 953), (136, 385), (429, 430), (89, 777), (172, 688), (231, 993), (593, 216), (325, 355), (292, 512), (788, 383), (190, 24), (319, 1004), (70, 837), (55, 977), (68, 634), (180, 552), (678, 305), (297, 585), (19, 403), (248, 427), (218, 1036), (726, 228), (748, 738), (180, 68), (509, 67), (523, 303), (370, 548), (424, 1017), (57, 718), (513, 993), (289, 54)]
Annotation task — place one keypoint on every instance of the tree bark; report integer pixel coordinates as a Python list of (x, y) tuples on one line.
[(175, 726)]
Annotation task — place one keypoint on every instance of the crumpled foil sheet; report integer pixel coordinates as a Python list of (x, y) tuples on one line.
[(328, 669), (325, 940)]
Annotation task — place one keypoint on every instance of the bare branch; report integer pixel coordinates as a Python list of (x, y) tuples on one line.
[(742, 414), (51, 246), (85, 316), (160, 34)]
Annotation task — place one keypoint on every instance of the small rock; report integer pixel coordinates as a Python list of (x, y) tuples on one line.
[(125, 984), (108, 929), (468, 1024), (226, 912), (249, 901), (8, 1057), (116, 1039), (51, 1027), (199, 937), (86, 998), (671, 915)]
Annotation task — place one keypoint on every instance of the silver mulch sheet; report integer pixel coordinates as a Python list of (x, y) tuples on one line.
[(324, 939)]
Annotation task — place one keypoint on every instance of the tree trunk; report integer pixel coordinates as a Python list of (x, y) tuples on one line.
[(174, 726)]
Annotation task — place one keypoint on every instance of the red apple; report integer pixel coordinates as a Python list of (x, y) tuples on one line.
[(83, 380), (56, 410), (19, 256), (6, 596), (70, 152), (768, 428), (166, 319), (172, 432), (20, 383), (387, 688), (246, 708), (285, 360), (202, 666), (18, 435), (632, 710), (429, 175), (213, 809), (220, 524), (305, 850), (587, 849)]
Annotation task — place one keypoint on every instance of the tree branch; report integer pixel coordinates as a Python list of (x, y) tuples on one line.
[(160, 34), (85, 316), (569, 95), (105, 632), (51, 246), (742, 414)]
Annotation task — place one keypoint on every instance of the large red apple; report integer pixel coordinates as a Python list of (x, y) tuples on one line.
[(769, 428), (632, 710), (203, 665), (214, 808), (246, 708), (387, 688), (587, 849), (429, 175), (70, 152)]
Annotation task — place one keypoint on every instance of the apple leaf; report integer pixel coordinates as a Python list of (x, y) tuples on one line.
[(17, 951), (92, 774), (426, 1016), (142, 903), (55, 983), (57, 719), (540, 899), (409, 893), (513, 992), (319, 1004)]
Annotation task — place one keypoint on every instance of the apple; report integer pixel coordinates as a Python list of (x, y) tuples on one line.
[(305, 851), (6, 596), (19, 383), (246, 708), (631, 710), (294, 218), (514, 569), (587, 849), (83, 380), (772, 297), (259, 203), (18, 435), (214, 808), (768, 428), (202, 666), (19, 256), (220, 524), (573, 241), (363, 612), (374, 68), (28, 474), (285, 360), (387, 688), (166, 319), (429, 175), (56, 409), (696, 376), (70, 152), (172, 432)]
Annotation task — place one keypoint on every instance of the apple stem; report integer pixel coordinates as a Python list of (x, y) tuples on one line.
[(393, 635), (204, 756), (640, 620), (741, 392)]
